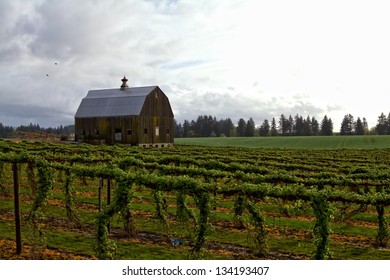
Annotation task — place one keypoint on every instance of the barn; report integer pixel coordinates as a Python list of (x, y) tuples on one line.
[(140, 116)]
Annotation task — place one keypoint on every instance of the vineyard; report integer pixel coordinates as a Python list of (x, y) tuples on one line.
[(188, 202)]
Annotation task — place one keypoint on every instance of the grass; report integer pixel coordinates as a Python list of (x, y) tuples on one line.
[(293, 142)]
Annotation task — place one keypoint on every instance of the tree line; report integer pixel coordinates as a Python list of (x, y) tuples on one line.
[(209, 126), (9, 131)]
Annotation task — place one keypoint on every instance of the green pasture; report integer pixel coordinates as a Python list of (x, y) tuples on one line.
[(294, 142)]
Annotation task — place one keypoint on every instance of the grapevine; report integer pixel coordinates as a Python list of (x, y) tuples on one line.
[(69, 200), (322, 230), (202, 200), (260, 232), (31, 177), (183, 213), (2, 179), (246, 178)]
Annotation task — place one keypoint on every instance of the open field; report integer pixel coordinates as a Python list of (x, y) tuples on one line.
[(194, 202), (294, 142)]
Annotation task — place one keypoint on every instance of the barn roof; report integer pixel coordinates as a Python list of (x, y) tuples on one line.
[(113, 102)]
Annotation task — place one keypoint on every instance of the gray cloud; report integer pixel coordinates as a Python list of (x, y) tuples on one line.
[(191, 102), (204, 54), (42, 115)]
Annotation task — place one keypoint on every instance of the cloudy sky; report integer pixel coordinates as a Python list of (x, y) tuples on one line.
[(225, 58)]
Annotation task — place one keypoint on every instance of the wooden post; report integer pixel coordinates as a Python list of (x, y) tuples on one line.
[(100, 193), (108, 191), (17, 209), (108, 198)]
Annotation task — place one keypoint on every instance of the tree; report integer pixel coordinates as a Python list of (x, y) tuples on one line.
[(382, 126), (178, 130), (299, 128), (226, 127), (241, 128), (314, 126), (359, 129), (326, 126), (283, 124), (365, 126), (347, 125), (264, 128), (186, 128), (273, 131), (308, 128), (6, 131), (250, 128)]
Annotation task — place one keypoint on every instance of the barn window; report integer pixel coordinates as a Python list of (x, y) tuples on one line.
[(83, 131), (96, 132), (157, 131), (145, 131), (129, 132), (167, 130)]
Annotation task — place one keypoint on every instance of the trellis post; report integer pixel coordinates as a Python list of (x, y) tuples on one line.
[(100, 193), (108, 198), (17, 209)]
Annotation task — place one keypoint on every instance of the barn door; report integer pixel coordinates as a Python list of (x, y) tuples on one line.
[(118, 135)]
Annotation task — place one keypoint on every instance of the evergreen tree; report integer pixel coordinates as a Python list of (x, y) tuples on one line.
[(273, 131), (299, 128), (178, 130), (315, 127), (283, 125), (290, 126), (186, 128), (382, 125), (359, 129), (347, 125), (326, 126), (264, 128), (308, 129), (6, 131), (226, 127), (365, 126), (388, 125), (215, 127), (250, 128), (241, 128)]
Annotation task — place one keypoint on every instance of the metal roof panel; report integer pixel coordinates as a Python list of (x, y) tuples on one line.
[(113, 102)]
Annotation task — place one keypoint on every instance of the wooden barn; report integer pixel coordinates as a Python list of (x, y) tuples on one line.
[(139, 116)]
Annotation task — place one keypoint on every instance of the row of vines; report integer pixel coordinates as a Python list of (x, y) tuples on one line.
[(206, 175)]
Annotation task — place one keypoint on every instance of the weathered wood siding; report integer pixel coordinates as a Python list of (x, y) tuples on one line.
[(108, 130), (156, 116)]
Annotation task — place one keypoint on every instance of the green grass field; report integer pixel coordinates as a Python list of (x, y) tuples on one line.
[(294, 142)]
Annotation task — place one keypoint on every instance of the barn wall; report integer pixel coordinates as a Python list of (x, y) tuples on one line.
[(92, 130), (157, 116), (108, 130)]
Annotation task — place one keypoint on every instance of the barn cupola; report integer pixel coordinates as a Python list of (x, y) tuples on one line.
[(124, 83)]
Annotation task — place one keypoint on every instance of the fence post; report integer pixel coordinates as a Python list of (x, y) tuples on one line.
[(100, 193), (108, 191), (17, 209), (108, 199)]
